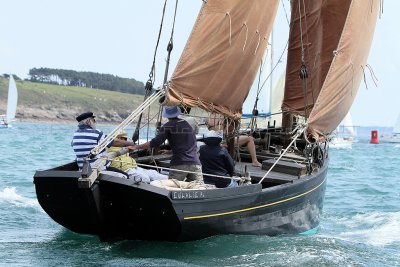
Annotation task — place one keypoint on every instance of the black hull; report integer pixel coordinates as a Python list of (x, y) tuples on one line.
[(119, 208)]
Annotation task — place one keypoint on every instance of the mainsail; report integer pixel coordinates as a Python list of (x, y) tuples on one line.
[(331, 41), (222, 56)]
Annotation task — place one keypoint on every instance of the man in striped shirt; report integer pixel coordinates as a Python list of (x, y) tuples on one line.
[(86, 137)]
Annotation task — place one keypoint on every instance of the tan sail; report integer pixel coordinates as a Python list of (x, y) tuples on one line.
[(222, 55), (334, 39)]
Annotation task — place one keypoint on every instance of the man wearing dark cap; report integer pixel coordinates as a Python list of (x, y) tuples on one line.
[(185, 163), (86, 137)]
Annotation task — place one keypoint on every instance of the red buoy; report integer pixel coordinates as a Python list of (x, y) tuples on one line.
[(374, 137)]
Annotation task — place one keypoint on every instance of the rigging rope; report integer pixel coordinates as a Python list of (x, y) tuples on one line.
[(139, 110), (260, 88), (151, 74), (303, 69), (150, 81), (169, 49), (300, 129)]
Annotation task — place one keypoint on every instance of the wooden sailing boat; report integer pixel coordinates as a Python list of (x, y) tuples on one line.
[(12, 100), (328, 45)]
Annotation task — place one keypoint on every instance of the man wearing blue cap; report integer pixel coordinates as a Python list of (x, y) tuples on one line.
[(86, 137), (185, 163)]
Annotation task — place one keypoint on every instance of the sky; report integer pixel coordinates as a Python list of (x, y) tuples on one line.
[(119, 37)]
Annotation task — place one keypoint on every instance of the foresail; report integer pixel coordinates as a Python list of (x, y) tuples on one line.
[(12, 99), (222, 56), (334, 39)]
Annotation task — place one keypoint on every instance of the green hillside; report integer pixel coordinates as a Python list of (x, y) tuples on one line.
[(47, 102)]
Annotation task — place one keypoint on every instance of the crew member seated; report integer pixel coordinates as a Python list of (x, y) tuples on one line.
[(128, 165), (216, 160), (216, 122)]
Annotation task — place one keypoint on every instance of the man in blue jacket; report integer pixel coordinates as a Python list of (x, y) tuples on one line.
[(216, 160), (185, 163)]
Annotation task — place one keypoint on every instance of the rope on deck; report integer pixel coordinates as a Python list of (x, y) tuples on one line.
[(299, 130)]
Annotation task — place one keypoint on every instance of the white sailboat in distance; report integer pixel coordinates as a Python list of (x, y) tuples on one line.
[(12, 100), (345, 134), (395, 136)]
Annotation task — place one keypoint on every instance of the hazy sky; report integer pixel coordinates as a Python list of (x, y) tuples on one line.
[(119, 37)]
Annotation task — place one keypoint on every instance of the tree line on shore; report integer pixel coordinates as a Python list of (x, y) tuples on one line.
[(84, 79)]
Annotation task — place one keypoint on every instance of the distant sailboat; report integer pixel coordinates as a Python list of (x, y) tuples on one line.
[(345, 134), (12, 100), (395, 136)]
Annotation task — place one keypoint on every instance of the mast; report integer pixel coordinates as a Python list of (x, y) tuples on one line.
[(271, 74)]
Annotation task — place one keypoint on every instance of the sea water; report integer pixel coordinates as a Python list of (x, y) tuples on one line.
[(360, 225)]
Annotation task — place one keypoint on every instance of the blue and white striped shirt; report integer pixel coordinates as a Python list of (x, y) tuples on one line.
[(84, 140)]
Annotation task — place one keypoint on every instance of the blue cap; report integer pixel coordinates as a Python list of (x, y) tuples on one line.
[(171, 112), (85, 116)]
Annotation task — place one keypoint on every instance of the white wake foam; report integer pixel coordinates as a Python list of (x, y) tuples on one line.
[(10, 195), (377, 228)]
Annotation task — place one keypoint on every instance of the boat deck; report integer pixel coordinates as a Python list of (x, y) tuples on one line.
[(257, 174)]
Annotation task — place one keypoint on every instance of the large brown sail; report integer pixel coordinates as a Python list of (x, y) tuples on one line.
[(331, 39), (222, 55)]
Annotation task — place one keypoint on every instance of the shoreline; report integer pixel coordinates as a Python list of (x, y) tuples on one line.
[(64, 121)]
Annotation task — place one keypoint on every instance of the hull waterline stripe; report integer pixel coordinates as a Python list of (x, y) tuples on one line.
[(254, 208)]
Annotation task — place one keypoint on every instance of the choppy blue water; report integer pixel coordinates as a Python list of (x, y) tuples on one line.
[(360, 225)]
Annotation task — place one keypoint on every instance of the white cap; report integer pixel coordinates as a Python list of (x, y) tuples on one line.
[(212, 133)]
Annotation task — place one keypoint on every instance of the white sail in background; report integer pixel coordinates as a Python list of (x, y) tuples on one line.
[(345, 134), (12, 100), (396, 129), (263, 103), (348, 125), (276, 103), (394, 137)]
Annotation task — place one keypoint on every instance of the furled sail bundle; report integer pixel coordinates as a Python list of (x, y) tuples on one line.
[(222, 56), (330, 40)]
